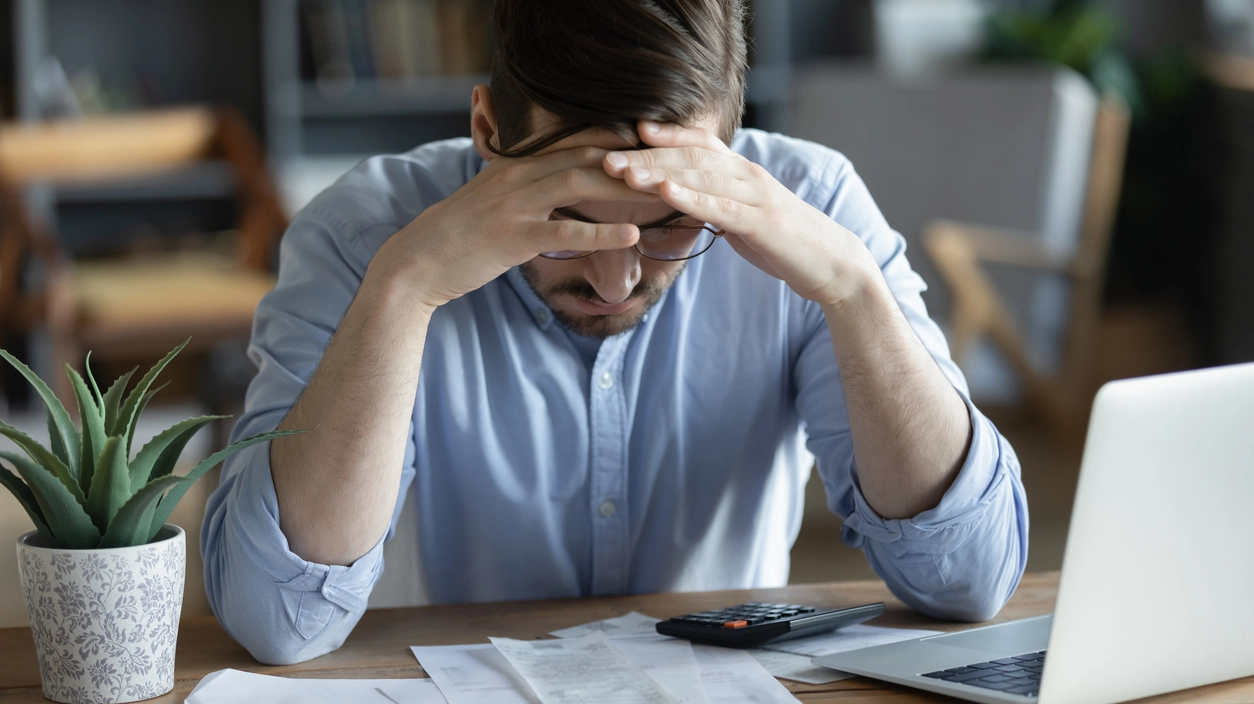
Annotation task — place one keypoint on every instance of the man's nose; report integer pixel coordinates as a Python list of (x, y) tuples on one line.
[(614, 273)]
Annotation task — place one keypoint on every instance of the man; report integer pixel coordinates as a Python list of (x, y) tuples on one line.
[(598, 347)]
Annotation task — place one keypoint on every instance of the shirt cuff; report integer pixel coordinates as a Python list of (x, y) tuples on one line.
[(311, 590), (942, 529)]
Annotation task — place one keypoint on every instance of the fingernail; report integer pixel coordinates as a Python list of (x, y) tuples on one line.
[(650, 126), (617, 160), (639, 173), (678, 191)]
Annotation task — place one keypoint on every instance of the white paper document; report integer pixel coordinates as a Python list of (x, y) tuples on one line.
[(587, 670), (236, 687), (669, 661), (845, 639), (797, 668), (734, 677), (473, 674), (632, 624)]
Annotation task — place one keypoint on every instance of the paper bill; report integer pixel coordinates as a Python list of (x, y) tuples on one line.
[(734, 677), (473, 674), (587, 670)]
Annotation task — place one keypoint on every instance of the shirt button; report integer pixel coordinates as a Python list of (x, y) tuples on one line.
[(606, 381), (607, 509), (542, 316)]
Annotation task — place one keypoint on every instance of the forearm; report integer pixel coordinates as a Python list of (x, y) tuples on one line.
[(337, 486), (910, 428)]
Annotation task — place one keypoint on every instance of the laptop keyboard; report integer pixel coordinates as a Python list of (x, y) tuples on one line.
[(1020, 674)]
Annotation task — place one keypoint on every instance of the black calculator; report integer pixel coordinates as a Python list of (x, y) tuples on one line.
[(754, 624)]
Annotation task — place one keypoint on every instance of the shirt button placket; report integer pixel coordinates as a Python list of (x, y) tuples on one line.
[(608, 471)]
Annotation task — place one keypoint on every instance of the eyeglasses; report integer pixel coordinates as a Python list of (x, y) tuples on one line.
[(668, 243)]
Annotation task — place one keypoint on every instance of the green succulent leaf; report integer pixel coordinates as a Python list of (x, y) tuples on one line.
[(130, 435), (43, 457), (111, 486), (62, 511), (157, 458), (130, 408), (166, 507), (92, 378), (66, 434), (112, 401), (93, 436), (54, 439), (26, 498), (130, 525)]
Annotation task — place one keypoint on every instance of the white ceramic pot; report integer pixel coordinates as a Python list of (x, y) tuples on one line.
[(105, 621)]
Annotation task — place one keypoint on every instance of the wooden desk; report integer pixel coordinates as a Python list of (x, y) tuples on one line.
[(379, 647)]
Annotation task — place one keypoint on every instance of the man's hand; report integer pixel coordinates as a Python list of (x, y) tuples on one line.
[(694, 172), (909, 438), (501, 219)]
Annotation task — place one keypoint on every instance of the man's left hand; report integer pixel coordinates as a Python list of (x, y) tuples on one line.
[(767, 224)]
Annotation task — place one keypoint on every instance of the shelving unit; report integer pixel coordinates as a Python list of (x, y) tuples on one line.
[(313, 136), (292, 98)]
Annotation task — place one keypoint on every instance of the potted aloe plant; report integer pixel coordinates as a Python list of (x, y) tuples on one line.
[(102, 573)]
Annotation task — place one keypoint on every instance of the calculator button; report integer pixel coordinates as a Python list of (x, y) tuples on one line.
[(736, 624)]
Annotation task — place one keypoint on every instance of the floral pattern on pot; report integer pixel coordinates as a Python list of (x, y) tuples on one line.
[(105, 622)]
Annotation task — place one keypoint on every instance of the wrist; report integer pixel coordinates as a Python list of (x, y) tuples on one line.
[(396, 291), (856, 285)]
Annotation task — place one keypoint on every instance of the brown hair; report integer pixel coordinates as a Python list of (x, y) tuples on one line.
[(610, 63)]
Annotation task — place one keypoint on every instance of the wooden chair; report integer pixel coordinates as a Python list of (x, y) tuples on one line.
[(959, 249), (133, 307)]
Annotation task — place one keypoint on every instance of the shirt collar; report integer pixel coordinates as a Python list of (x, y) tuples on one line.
[(539, 310)]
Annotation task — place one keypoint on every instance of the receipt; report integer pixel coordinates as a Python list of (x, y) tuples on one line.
[(630, 624), (587, 670), (733, 676), (473, 674), (670, 662)]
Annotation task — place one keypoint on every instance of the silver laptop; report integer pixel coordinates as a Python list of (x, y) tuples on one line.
[(1157, 590)]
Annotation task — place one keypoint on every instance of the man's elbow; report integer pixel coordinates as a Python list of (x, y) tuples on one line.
[(971, 605), (277, 641)]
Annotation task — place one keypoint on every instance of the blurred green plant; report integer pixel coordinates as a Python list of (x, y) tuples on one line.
[(86, 491), (1073, 33)]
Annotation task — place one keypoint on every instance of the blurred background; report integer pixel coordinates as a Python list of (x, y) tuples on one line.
[(1073, 179)]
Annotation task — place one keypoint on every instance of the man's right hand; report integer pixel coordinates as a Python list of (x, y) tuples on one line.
[(500, 219)]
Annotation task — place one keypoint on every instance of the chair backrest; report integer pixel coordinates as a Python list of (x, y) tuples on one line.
[(103, 149), (1005, 147), (1088, 267)]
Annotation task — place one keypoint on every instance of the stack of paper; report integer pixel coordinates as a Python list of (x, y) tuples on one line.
[(594, 668), (616, 661)]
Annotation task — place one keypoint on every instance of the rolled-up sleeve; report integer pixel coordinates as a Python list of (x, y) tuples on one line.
[(963, 558), (280, 607)]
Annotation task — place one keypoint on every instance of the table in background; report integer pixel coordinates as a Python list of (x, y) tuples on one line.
[(379, 646)]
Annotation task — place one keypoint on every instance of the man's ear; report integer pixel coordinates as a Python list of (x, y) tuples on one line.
[(483, 122)]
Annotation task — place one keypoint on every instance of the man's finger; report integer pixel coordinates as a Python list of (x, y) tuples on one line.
[(571, 186), (576, 236), (674, 158), (714, 183), (668, 134), (723, 213)]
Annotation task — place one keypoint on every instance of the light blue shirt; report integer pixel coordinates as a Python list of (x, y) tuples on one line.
[(676, 460)]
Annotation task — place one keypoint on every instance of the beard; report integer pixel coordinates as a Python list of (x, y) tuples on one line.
[(598, 326)]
